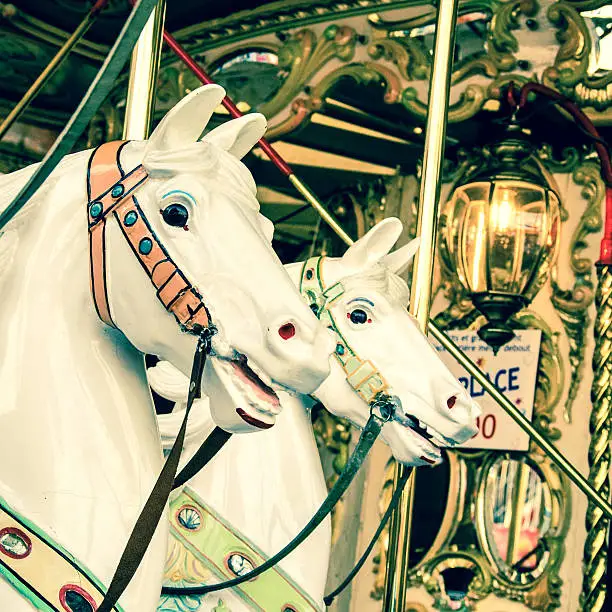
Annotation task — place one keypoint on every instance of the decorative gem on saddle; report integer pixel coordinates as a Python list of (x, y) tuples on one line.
[(239, 564), (117, 190), (75, 599), (189, 518), (15, 543)]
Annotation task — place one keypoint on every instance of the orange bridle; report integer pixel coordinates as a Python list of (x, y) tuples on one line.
[(110, 190)]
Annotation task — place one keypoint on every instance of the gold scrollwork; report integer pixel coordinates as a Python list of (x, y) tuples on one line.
[(572, 304), (551, 377), (303, 107), (572, 59), (569, 73), (303, 55)]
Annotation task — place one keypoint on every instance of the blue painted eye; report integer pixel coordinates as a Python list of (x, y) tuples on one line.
[(175, 215), (358, 316)]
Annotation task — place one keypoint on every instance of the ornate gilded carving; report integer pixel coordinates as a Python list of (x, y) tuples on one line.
[(410, 57), (572, 58), (569, 72), (303, 107), (278, 17), (572, 304), (303, 55), (551, 377)]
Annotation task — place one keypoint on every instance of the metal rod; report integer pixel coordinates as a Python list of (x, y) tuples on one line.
[(266, 147), (420, 298), (143, 77), (52, 66), (519, 418)]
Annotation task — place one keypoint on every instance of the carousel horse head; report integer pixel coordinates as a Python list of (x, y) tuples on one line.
[(196, 225), (381, 351)]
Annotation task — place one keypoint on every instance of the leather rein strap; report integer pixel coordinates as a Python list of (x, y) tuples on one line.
[(111, 191), (381, 410)]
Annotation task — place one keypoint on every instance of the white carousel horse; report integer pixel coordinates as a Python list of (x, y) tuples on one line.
[(80, 445), (260, 490)]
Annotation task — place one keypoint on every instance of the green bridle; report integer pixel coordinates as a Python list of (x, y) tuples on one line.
[(361, 375)]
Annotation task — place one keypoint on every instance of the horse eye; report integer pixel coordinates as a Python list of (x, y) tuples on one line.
[(358, 316), (175, 215)]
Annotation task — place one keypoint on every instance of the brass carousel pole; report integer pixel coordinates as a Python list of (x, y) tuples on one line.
[(420, 302), (594, 581), (143, 77), (52, 66)]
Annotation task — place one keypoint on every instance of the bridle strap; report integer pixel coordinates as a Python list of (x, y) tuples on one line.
[(110, 190), (382, 410), (103, 169)]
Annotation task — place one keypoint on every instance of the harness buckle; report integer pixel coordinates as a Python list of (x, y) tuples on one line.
[(383, 407)]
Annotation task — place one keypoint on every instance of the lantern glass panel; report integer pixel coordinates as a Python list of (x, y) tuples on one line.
[(517, 227), (502, 235), (466, 234)]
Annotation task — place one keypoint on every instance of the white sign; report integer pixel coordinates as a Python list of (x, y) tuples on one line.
[(514, 370)]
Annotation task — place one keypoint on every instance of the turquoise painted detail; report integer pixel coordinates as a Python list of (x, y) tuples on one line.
[(189, 603), (25, 592), (95, 209), (130, 218), (182, 193), (117, 191), (145, 246)]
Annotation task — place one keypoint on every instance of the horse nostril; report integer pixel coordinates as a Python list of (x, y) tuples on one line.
[(286, 331), (450, 402)]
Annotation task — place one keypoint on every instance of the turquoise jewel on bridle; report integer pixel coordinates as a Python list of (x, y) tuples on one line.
[(361, 374)]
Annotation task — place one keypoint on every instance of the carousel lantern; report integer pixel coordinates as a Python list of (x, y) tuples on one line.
[(501, 233)]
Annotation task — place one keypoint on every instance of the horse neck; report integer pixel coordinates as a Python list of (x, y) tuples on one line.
[(241, 474), (60, 365), (268, 485)]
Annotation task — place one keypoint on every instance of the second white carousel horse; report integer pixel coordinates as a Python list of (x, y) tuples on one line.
[(260, 490), (80, 445)]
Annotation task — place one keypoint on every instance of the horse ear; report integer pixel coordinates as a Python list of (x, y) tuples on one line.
[(239, 136), (398, 260), (372, 247), (185, 122)]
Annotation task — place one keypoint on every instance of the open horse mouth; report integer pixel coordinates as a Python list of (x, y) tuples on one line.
[(249, 377), (254, 400), (430, 436)]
